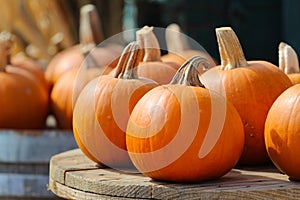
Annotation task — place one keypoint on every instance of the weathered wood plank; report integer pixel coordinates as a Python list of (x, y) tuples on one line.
[(74, 161), (72, 172), (33, 146), (70, 193)]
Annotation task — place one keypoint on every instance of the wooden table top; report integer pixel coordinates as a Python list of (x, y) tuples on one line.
[(73, 176)]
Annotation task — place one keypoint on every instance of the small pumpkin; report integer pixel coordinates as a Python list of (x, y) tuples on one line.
[(152, 66), (103, 107), (90, 35), (252, 87), (67, 89), (179, 49), (32, 66), (288, 62), (24, 101), (282, 132), (183, 123), (69, 84)]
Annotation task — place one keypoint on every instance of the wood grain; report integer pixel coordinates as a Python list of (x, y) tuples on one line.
[(73, 176)]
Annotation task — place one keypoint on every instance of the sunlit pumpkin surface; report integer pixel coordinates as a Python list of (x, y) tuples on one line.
[(282, 132)]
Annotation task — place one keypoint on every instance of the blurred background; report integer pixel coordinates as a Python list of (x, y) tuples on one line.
[(44, 27)]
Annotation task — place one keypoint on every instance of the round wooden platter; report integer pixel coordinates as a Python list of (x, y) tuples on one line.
[(73, 176)]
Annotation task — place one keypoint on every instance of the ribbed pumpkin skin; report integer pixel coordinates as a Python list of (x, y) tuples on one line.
[(252, 90), (154, 124), (282, 132), (106, 113)]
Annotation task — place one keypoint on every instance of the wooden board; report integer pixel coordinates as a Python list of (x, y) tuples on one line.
[(73, 176), (24, 161)]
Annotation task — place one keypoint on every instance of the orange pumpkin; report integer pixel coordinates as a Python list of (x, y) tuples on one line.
[(152, 66), (24, 102), (67, 89), (179, 49), (32, 66), (183, 132), (252, 87), (288, 62), (90, 36), (103, 107), (282, 132), (88, 66)]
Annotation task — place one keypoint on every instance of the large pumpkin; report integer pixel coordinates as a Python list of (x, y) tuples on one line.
[(24, 100), (183, 132), (102, 110), (252, 87), (282, 132), (288, 62)]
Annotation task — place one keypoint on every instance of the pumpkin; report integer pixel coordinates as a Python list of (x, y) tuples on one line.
[(69, 84), (179, 48), (183, 132), (252, 87), (32, 66), (282, 132), (152, 66), (72, 57), (288, 62), (67, 89), (103, 107), (24, 102)]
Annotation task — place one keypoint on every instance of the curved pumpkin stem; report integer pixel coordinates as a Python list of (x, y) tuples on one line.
[(6, 40), (288, 59), (175, 40), (128, 62), (187, 74), (149, 43), (231, 52), (90, 30)]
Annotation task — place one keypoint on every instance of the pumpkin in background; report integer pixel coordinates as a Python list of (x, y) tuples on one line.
[(152, 66), (282, 132), (183, 132), (179, 49), (103, 107), (67, 89), (288, 62), (252, 87), (22, 61), (70, 83), (24, 100), (90, 35)]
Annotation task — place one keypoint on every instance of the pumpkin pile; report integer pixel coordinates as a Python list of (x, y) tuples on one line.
[(211, 117), (133, 109)]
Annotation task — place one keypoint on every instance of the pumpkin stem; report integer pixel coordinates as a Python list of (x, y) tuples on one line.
[(288, 59), (231, 52), (149, 43), (176, 42), (90, 30), (6, 40), (188, 73), (128, 62)]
